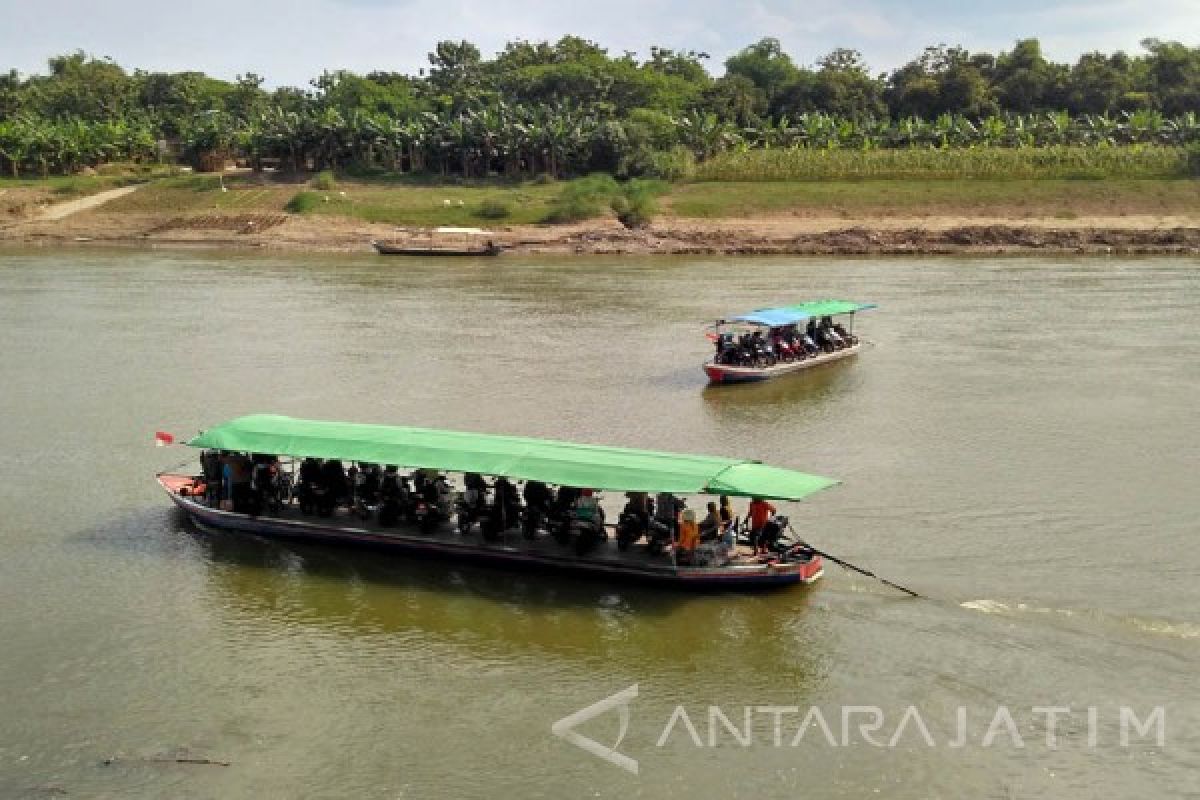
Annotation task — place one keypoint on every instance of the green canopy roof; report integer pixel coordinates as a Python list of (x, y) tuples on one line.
[(562, 463), (790, 315)]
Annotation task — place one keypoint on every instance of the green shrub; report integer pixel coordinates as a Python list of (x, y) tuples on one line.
[(304, 202), (636, 206), (325, 181), (633, 201), (583, 198), (494, 209)]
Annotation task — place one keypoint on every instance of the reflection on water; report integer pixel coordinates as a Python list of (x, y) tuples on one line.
[(351, 593), (800, 391)]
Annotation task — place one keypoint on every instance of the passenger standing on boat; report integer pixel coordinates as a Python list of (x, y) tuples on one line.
[(507, 503), (475, 490), (389, 496), (710, 526), (728, 518), (333, 478), (241, 472), (666, 510), (261, 481), (727, 538), (537, 496), (310, 481), (759, 512), (210, 466)]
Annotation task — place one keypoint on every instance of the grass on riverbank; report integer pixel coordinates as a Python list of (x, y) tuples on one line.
[(423, 202), (393, 201), (1064, 199), (993, 163)]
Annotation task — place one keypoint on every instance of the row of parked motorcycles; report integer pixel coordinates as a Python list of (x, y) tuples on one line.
[(427, 502), (758, 350)]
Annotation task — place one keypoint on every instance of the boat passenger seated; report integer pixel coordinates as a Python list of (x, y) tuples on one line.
[(637, 506), (688, 540), (474, 490), (710, 526), (537, 495), (369, 477), (587, 508), (727, 349), (565, 501)]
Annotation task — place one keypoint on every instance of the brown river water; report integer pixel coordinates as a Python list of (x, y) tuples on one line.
[(1019, 444)]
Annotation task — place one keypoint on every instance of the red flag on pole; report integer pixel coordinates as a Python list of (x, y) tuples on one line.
[(162, 439)]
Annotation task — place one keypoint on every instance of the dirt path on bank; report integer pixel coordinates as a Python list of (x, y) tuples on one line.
[(62, 210)]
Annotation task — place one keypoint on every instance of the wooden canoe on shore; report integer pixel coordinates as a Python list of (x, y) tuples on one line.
[(404, 250), (441, 242)]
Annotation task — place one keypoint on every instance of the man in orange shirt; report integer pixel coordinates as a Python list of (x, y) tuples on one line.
[(689, 537), (759, 512)]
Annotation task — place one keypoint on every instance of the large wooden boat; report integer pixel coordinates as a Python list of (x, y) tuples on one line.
[(595, 467), (441, 242), (734, 362)]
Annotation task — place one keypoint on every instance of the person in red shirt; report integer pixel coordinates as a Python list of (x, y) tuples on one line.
[(759, 512)]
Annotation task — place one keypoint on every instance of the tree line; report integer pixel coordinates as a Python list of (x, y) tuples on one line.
[(570, 107)]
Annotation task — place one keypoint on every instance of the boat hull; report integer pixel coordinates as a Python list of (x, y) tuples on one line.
[(398, 250), (728, 373), (504, 554)]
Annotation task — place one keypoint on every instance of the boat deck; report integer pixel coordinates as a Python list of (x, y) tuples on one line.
[(730, 373), (446, 538)]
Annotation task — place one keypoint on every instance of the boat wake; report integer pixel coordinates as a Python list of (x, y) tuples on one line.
[(1173, 629)]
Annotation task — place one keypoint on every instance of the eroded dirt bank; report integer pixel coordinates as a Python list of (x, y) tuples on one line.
[(771, 235)]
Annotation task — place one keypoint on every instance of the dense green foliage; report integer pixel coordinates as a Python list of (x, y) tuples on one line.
[(570, 108)]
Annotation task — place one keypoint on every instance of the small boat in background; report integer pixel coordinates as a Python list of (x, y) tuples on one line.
[(440, 242), (770, 342)]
